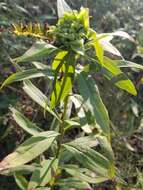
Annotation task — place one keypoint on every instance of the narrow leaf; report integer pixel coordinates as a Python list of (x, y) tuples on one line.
[(89, 91), (84, 174), (37, 51), (29, 150), (38, 96), (24, 123), (113, 73), (62, 86), (98, 47), (73, 183), (62, 7), (42, 175), (21, 181)]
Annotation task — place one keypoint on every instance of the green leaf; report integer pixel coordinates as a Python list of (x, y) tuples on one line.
[(127, 64), (59, 60), (37, 51), (38, 96), (107, 46), (71, 123), (74, 183), (29, 150), (89, 141), (89, 91), (87, 121), (106, 147), (42, 175), (28, 74), (23, 169), (83, 174), (21, 181), (116, 33), (89, 158), (98, 47), (62, 86), (78, 47), (84, 16), (40, 65), (113, 73), (105, 38), (62, 7), (123, 34), (24, 123)]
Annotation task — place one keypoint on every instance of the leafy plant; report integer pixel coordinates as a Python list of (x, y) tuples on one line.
[(78, 54)]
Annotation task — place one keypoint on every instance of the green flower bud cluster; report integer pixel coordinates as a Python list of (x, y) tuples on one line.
[(71, 28)]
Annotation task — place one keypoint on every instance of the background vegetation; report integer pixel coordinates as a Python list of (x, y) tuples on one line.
[(126, 112)]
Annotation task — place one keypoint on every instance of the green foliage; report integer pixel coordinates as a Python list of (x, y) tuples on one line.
[(73, 100)]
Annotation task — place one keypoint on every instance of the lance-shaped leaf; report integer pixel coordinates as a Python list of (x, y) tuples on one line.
[(23, 169), (116, 33), (73, 183), (24, 123), (98, 47), (44, 174), (37, 51), (83, 174), (84, 16), (62, 7), (113, 73), (105, 38), (29, 150), (40, 65), (87, 120), (127, 64), (89, 158), (62, 86), (107, 46), (89, 91), (106, 147), (21, 181), (37, 96), (28, 74), (123, 35)]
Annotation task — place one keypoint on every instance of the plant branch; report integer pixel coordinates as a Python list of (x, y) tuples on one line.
[(61, 130)]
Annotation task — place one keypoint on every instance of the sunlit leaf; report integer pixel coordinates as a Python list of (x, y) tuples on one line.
[(127, 64), (107, 46), (98, 47), (23, 169), (73, 183), (29, 150), (62, 7), (84, 174), (28, 74), (42, 175), (37, 51), (84, 16), (89, 91), (116, 33), (89, 158), (37, 96), (63, 85), (113, 73), (24, 123), (86, 119), (123, 34)]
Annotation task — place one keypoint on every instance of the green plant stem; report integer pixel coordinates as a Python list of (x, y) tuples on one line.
[(61, 130)]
